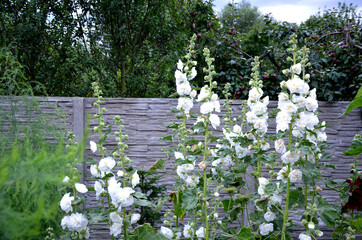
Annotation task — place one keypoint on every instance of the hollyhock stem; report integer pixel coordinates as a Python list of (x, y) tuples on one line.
[(205, 186), (285, 219)]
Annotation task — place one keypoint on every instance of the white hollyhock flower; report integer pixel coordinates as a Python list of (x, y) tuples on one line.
[(66, 203), (321, 136), (207, 107), (311, 104), (265, 146), (299, 101), (283, 117), (251, 117), (303, 236), (120, 173), (66, 179), (180, 65), (290, 157), (135, 179), (77, 222), (135, 217), (178, 235), (115, 217), (313, 93), (204, 94), (214, 97), (276, 199), (179, 155), (265, 228), (184, 88), (255, 94), (289, 107), (81, 188), (98, 188), (95, 171), (261, 125), (180, 77), (262, 183), (297, 85), (280, 146), (216, 104), (93, 146), (184, 169), (115, 229), (307, 120), (193, 94), (297, 68), (192, 180), (214, 120), (283, 97), (193, 73), (259, 108), (106, 164), (295, 175), (188, 231), (282, 174), (185, 103), (167, 232), (65, 222), (200, 233), (269, 216), (236, 129)]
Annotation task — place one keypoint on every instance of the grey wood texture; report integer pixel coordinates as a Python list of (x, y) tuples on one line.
[(146, 120)]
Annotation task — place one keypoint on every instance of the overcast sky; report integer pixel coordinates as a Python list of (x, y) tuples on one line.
[(295, 11)]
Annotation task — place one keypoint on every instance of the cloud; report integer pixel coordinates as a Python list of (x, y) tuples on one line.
[(289, 13)]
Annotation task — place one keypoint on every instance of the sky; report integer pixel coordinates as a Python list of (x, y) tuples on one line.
[(295, 11)]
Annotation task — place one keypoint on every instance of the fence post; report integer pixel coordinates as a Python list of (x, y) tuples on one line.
[(78, 125)]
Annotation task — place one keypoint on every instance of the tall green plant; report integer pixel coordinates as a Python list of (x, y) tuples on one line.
[(32, 169)]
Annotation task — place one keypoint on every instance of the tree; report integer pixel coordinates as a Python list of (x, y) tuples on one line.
[(241, 16)]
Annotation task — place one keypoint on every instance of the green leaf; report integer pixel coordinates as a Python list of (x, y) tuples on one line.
[(270, 188), (328, 212), (297, 197), (355, 148), (357, 102), (228, 204), (357, 225), (139, 195), (245, 234), (262, 203), (310, 173), (189, 199), (143, 203), (146, 232), (160, 164), (167, 138)]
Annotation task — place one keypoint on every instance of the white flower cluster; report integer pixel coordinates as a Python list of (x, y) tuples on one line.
[(188, 232), (210, 103), (299, 105), (76, 221), (258, 114), (185, 101), (119, 196)]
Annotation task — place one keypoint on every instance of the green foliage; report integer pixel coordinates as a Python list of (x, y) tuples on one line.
[(32, 170), (357, 102), (145, 232), (240, 16), (152, 190)]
